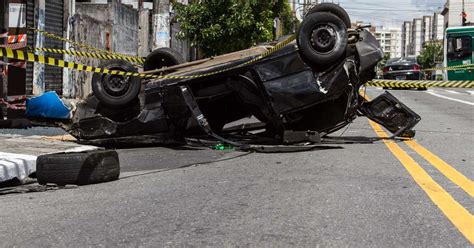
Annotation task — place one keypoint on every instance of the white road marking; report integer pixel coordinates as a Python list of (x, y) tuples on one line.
[(470, 92), (454, 92), (450, 98)]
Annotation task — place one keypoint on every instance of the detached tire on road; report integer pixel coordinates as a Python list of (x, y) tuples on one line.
[(162, 57), (78, 168), (116, 90), (322, 40)]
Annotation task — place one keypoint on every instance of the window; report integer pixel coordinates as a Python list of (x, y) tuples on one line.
[(459, 48)]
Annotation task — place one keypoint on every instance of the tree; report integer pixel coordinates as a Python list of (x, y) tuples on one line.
[(223, 26), (382, 63), (431, 54)]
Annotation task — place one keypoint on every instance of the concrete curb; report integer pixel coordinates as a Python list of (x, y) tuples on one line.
[(18, 166), (18, 154)]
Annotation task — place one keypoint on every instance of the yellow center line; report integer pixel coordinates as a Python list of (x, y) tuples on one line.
[(455, 212), (452, 174)]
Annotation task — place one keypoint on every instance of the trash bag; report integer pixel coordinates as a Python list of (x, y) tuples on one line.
[(48, 105)]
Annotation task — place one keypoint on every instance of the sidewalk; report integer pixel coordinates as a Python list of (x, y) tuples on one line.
[(18, 153)]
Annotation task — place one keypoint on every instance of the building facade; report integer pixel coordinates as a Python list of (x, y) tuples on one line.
[(427, 30), (390, 39), (438, 26), (419, 31), (417, 36), (453, 10), (406, 45)]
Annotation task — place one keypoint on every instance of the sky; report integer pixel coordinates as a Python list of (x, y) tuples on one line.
[(389, 12)]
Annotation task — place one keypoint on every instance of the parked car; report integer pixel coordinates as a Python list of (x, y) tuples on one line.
[(307, 89), (402, 69)]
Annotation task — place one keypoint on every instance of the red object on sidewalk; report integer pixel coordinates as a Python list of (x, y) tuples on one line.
[(14, 102), (20, 64)]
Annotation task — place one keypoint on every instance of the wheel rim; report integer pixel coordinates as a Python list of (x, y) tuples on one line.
[(324, 38), (116, 85)]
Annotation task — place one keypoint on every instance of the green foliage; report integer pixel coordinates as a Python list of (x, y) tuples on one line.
[(382, 63), (431, 54), (222, 26)]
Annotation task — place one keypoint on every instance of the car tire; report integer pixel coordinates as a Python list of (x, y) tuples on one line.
[(78, 168), (333, 9), (162, 57), (322, 40), (116, 90)]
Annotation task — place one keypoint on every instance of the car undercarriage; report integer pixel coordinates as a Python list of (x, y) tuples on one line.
[(304, 91)]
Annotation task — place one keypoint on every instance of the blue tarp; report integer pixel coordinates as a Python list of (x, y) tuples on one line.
[(48, 105)]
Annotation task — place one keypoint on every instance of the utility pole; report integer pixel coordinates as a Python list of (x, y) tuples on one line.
[(4, 25), (463, 14), (161, 23)]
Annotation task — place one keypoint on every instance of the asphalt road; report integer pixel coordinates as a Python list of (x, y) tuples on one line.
[(384, 194)]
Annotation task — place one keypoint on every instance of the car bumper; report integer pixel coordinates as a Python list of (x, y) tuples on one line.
[(408, 75)]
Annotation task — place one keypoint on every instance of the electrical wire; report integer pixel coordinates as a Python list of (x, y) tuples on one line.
[(186, 166)]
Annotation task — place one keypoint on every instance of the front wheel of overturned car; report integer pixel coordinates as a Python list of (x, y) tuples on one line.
[(322, 40), (116, 90), (78, 168)]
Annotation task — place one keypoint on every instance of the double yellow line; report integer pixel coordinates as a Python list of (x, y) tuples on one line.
[(461, 218)]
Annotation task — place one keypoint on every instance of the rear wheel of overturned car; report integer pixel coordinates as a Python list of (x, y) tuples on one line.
[(116, 90), (162, 57), (322, 40), (333, 9), (78, 168)]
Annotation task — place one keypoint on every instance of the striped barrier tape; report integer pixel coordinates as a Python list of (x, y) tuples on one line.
[(451, 68), (84, 46), (104, 54), (30, 57), (420, 84), (90, 55)]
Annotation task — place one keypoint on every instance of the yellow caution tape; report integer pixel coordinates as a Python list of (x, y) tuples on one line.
[(81, 45), (420, 84), (31, 57), (451, 68), (91, 55)]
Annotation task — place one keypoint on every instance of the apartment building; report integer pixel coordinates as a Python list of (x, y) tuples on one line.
[(438, 27), (417, 36), (406, 45), (427, 29), (415, 33), (390, 39)]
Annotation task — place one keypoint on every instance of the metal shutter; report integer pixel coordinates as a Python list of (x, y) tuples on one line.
[(30, 15), (53, 76)]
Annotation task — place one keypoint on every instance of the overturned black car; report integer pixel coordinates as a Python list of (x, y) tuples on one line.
[(307, 89)]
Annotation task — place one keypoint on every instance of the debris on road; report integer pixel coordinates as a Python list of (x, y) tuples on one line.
[(19, 154), (80, 168)]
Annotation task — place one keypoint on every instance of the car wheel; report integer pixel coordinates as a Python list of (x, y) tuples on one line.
[(322, 40), (333, 9), (116, 90), (162, 57), (78, 168)]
